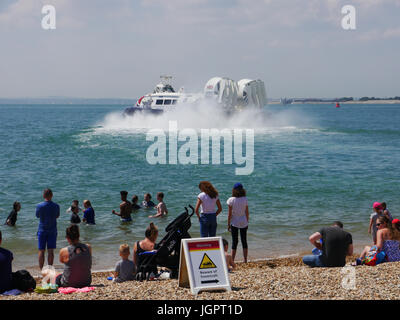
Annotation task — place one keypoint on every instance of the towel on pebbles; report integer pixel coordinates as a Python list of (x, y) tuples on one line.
[(69, 290)]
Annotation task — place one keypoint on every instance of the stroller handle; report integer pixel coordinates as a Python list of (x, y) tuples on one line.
[(190, 206)]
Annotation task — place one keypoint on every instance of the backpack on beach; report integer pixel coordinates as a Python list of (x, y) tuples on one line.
[(374, 257), (22, 280)]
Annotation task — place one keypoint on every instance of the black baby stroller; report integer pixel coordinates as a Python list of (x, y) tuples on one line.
[(167, 251)]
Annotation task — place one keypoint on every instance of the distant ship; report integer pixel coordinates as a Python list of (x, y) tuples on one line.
[(285, 101)]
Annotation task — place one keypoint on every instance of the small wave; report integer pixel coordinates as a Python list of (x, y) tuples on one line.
[(206, 116), (360, 131)]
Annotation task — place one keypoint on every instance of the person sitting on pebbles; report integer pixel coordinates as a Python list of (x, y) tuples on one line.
[(336, 245), (387, 248), (229, 260), (147, 244), (77, 260), (125, 268)]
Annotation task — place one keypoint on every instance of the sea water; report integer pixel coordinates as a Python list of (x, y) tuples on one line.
[(313, 164)]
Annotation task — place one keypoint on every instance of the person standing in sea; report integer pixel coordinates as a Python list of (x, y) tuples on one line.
[(207, 200), (88, 213), (48, 213), (125, 208), (12, 217)]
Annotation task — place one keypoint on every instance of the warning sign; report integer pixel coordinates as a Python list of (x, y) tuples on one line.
[(207, 263), (202, 265)]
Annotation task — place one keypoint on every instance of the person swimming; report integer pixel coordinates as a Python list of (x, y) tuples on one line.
[(135, 200), (125, 208), (75, 219), (76, 204), (161, 207), (147, 203), (88, 213), (12, 217)]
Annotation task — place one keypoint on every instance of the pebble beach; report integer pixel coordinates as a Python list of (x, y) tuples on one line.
[(276, 279)]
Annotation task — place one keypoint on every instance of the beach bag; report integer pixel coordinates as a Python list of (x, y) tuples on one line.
[(22, 280), (373, 257)]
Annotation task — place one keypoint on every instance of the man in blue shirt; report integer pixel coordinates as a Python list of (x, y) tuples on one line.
[(6, 258), (47, 212)]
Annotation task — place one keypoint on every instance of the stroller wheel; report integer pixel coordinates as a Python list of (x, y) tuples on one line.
[(174, 274), (150, 276), (139, 276)]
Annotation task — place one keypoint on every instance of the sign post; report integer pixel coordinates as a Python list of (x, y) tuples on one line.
[(202, 265)]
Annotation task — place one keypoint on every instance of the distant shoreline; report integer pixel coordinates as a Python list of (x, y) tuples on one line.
[(129, 101), (341, 103)]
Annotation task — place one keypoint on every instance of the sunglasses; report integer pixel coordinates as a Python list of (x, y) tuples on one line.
[(379, 224)]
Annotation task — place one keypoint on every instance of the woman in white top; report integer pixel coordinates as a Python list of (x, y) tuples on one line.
[(207, 200), (238, 219)]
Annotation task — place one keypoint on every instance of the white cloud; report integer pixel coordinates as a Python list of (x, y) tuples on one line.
[(392, 33), (125, 38)]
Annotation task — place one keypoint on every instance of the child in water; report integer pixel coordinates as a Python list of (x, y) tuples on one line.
[(76, 204), (147, 203), (135, 200), (75, 219), (12, 217), (88, 213), (161, 207)]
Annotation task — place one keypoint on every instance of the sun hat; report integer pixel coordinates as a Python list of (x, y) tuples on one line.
[(395, 221), (238, 186), (377, 205)]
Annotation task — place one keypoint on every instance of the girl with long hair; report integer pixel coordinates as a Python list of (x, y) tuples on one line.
[(208, 200)]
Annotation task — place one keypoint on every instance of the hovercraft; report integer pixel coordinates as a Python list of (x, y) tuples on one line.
[(225, 93)]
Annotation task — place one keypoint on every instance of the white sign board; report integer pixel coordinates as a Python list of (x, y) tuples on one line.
[(202, 265)]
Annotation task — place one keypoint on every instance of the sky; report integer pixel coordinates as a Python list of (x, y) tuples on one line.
[(119, 48)]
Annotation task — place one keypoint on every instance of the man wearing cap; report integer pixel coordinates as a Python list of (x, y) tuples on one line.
[(125, 208), (336, 245)]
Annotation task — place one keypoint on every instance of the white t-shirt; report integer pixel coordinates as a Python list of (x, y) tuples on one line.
[(238, 205), (207, 204)]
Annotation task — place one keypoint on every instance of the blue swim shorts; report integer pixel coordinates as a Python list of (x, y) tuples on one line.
[(48, 239)]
